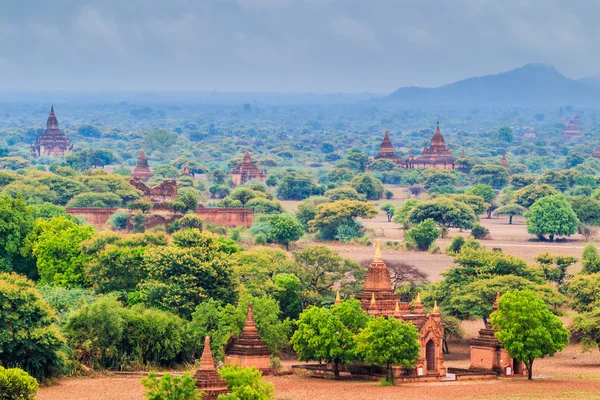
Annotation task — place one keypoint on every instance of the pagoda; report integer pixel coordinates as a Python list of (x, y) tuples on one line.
[(207, 378), (186, 170), (572, 130), (247, 171), (596, 153), (487, 352), (436, 156), (51, 142), (142, 171), (386, 151), (503, 162), (248, 350), (379, 299)]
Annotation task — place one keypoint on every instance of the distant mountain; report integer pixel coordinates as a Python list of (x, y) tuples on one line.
[(532, 84), (591, 81)]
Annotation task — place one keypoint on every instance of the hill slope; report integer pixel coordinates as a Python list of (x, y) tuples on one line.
[(532, 84)]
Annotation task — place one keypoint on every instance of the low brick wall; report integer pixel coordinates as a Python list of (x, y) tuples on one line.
[(230, 217), (95, 216)]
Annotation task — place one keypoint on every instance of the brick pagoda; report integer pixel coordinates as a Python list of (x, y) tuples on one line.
[(378, 299), (248, 350), (596, 153), (572, 130), (436, 156), (487, 352), (504, 162), (142, 171), (247, 171), (386, 151), (51, 142), (186, 170), (207, 378)]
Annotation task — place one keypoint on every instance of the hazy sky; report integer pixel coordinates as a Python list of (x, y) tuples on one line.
[(287, 45)]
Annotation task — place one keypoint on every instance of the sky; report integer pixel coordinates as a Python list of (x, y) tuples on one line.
[(320, 46)]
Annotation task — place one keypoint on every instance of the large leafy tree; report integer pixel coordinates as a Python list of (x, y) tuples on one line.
[(511, 210), (330, 216), (388, 342), (552, 216), (527, 328), (528, 195), (160, 139), (445, 212), (29, 338), (587, 209), (56, 246), (493, 175), (16, 221), (321, 335), (584, 292), (587, 326), (319, 268), (368, 185), (295, 185)]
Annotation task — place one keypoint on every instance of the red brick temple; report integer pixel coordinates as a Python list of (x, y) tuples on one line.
[(142, 171), (207, 378), (164, 192), (596, 153), (386, 151), (186, 170), (51, 142), (436, 156), (572, 130), (378, 299), (487, 352), (504, 162), (248, 350), (247, 171)]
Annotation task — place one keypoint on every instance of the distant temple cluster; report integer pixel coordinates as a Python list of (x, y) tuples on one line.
[(51, 142), (435, 156)]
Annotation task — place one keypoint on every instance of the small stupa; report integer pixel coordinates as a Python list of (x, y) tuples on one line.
[(142, 170), (186, 170), (504, 162), (207, 378), (248, 350)]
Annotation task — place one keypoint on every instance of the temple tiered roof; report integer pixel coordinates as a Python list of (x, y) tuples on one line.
[(207, 378), (248, 349), (51, 142), (572, 129), (142, 171), (386, 150), (247, 171), (436, 156)]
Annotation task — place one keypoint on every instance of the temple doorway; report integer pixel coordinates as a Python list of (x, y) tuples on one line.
[(517, 367), (430, 356)]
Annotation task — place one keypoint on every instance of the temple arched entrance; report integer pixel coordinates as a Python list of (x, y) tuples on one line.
[(430, 356)]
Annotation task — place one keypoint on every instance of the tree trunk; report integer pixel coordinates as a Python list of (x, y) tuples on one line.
[(287, 246), (510, 220), (390, 373), (489, 213), (529, 365), (485, 321), (445, 349), (336, 366), (551, 237)]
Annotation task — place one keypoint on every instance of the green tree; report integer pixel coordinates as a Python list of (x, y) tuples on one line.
[(587, 326), (590, 259), (160, 139), (56, 246), (321, 335), (587, 209), (389, 210), (295, 185), (264, 206), (16, 222), (519, 181), (366, 184), (511, 210), (505, 134), (493, 175), (530, 194), (552, 216), (584, 292), (284, 229), (447, 213), (344, 193), (307, 209), (423, 235), (403, 211), (527, 329), (170, 387), (96, 200), (388, 342), (330, 216), (359, 159), (477, 204), (29, 338)]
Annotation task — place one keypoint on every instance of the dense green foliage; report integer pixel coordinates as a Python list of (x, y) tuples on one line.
[(17, 384)]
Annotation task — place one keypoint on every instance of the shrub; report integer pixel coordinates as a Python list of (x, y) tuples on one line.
[(139, 222), (389, 194), (434, 249), (142, 205), (170, 388), (455, 245), (424, 234), (479, 232), (186, 222), (118, 220), (16, 384), (246, 383), (260, 239)]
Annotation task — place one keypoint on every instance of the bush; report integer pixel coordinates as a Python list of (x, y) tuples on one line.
[(260, 239), (455, 245), (186, 222), (424, 234), (118, 220), (139, 222), (142, 205), (479, 232), (434, 249), (170, 388), (246, 383), (16, 384), (389, 194)]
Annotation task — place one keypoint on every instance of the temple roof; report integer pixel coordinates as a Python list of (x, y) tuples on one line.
[(142, 170), (386, 150), (207, 378), (52, 122), (438, 152), (52, 141), (249, 343)]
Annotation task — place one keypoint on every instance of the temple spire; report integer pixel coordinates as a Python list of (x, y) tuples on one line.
[(337, 298), (377, 251), (207, 378), (52, 111), (373, 303), (495, 307), (435, 308), (206, 361)]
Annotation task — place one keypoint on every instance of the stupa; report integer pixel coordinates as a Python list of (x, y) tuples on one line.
[(207, 378), (572, 130), (596, 153), (248, 350), (487, 352), (142, 171), (378, 299), (247, 171), (186, 170), (436, 156), (386, 151), (51, 142), (504, 162)]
